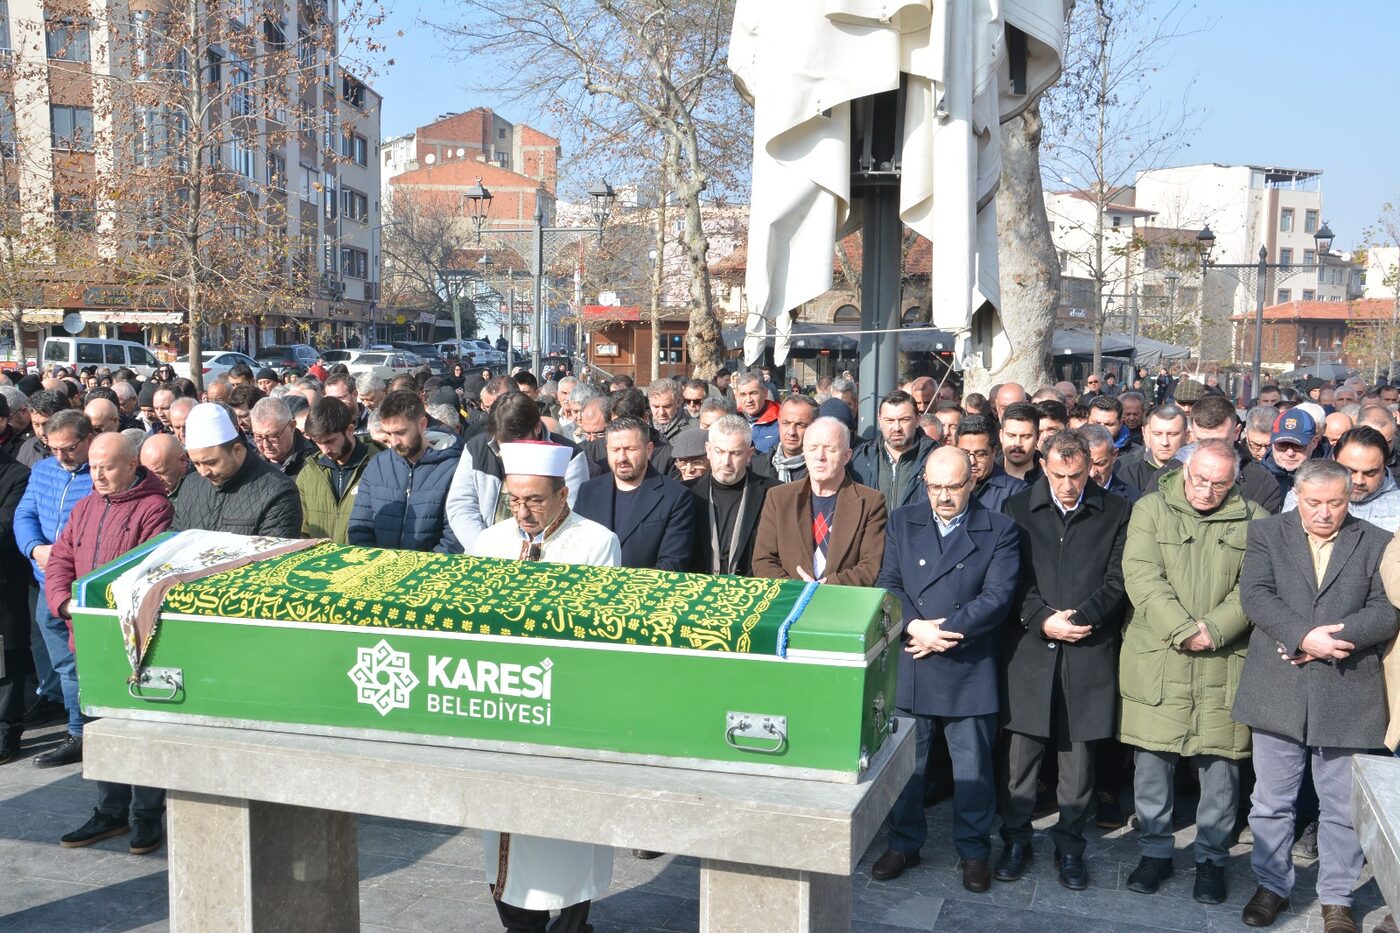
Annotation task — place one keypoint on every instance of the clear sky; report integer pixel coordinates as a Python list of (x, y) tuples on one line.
[(1278, 82)]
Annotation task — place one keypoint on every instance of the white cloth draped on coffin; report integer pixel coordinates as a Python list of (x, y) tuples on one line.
[(802, 62)]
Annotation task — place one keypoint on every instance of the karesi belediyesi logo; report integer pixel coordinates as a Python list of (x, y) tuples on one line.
[(479, 688)]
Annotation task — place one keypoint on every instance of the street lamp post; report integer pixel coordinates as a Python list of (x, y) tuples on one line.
[(1205, 242), (479, 204)]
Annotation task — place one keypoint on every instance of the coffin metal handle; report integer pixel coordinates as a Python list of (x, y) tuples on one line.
[(169, 682), (758, 727), (878, 714)]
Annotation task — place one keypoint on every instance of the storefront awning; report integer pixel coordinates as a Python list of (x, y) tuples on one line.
[(44, 316)]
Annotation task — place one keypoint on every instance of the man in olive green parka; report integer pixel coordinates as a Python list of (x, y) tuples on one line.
[(1183, 651)]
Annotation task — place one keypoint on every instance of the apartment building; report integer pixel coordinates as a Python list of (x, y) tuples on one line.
[(96, 136)]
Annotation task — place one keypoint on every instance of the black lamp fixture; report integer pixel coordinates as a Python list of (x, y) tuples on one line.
[(478, 205), (1323, 238), (1205, 243), (603, 196)]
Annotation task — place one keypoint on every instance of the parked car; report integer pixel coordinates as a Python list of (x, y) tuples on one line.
[(77, 352), (427, 352), (298, 356), (473, 352), (214, 363), (386, 364)]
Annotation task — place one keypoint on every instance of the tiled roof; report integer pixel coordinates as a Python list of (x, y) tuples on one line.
[(1362, 309)]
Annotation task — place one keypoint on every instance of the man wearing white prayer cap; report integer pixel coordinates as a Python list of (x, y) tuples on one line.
[(234, 490), (531, 876)]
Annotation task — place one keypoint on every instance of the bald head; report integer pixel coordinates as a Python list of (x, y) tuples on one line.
[(112, 462), (1380, 418), (103, 415), (180, 410), (950, 462), (1335, 425), (1009, 394), (163, 455)]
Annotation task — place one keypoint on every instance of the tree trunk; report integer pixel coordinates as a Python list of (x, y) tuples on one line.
[(704, 341), (1029, 268)]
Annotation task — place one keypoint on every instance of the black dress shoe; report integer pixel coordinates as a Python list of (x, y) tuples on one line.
[(892, 864), (646, 855), (1149, 874), (1210, 883), (1074, 874), (977, 874), (44, 712), (1263, 908), (69, 753), (1015, 859), (9, 746), (1108, 813)]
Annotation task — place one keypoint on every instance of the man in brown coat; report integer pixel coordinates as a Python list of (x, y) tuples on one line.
[(826, 527)]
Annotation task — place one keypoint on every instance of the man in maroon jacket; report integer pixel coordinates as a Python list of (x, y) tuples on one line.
[(126, 507)]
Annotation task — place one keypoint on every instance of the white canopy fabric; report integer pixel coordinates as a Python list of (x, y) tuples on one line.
[(802, 62)]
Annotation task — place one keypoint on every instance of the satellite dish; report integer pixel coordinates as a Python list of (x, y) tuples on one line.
[(430, 158), (73, 322), (461, 152)]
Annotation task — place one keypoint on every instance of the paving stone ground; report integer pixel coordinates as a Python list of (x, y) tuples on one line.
[(420, 877)]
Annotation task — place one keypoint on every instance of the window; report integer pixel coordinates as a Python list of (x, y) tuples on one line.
[(72, 127), (1336, 275), (307, 53), (73, 212), (501, 133), (1285, 256), (7, 125), (216, 68), (329, 132), (276, 171), (355, 147), (1117, 221), (4, 24), (354, 263), (67, 39), (275, 35), (1310, 221), (352, 91), (1285, 220), (332, 202), (354, 205), (1309, 294), (241, 87), (1285, 295), (243, 155), (847, 314), (1309, 257)]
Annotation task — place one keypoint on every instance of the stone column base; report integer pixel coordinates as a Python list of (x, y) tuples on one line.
[(734, 897)]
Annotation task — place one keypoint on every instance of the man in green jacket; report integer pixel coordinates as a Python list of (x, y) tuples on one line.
[(328, 483), (1183, 651)]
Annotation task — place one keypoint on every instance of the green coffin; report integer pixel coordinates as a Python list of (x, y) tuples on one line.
[(686, 670)]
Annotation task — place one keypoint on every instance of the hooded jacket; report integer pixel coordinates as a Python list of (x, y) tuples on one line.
[(1380, 508), (324, 514), (101, 528), (48, 500)]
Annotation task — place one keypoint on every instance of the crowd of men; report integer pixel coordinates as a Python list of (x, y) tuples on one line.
[(1101, 590)]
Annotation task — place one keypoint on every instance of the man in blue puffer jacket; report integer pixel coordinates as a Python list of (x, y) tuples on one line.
[(56, 484), (402, 501)]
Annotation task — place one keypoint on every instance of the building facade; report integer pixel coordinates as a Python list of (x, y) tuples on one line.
[(1356, 333)]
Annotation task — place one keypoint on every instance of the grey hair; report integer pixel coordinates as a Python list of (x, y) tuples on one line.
[(278, 391), (124, 391), (70, 420), (715, 403), (843, 385), (183, 403), (1069, 445), (271, 410), (311, 382), (368, 384), (828, 421), (1322, 471), (1222, 449), (1261, 418), (661, 388), (17, 400), (137, 438), (1095, 435), (732, 425), (584, 393), (567, 383), (1351, 410), (1168, 412), (748, 378), (1133, 393)]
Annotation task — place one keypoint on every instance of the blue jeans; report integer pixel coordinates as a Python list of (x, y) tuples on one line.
[(49, 687), (55, 633), (970, 741)]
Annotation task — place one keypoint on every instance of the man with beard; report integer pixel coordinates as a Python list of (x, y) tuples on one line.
[(1108, 411), (1020, 433), (727, 502), (992, 485), (787, 463), (530, 876), (328, 483), (893, 462), (1295, 437), (1375, 497), (401, 502), (650, 513), (667, 415), (235, 489)]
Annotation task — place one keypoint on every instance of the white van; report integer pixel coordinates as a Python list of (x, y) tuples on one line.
[(77, 352)]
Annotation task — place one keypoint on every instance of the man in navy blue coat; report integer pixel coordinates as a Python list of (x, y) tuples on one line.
[(953, 564), (651, 514)]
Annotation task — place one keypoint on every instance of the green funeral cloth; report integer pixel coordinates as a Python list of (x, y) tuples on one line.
[(336, 585)]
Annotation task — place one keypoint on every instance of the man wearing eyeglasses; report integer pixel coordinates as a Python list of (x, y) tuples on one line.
[(1061, 651), (530, 876), (992, 485), (1183, 648), (953, 565), (1292, 442), (276, 436)]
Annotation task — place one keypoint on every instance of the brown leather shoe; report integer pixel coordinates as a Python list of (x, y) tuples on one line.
[(977, 874), (892, 864), (1337, 919), (1387, 925), (1263, 908)]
